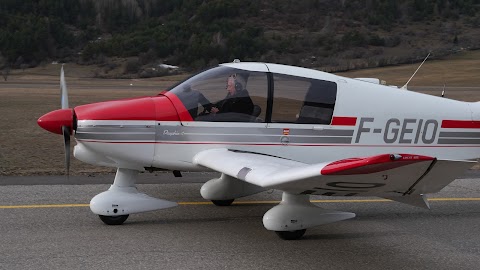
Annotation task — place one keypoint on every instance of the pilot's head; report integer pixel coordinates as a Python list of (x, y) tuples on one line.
[(233, 84)]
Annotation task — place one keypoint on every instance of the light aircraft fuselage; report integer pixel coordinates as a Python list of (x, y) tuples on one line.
[(274, 114)]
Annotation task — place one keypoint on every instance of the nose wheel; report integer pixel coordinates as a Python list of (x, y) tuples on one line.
[(113, 220)]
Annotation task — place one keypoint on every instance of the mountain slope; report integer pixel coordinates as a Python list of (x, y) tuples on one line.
[(327, 34)]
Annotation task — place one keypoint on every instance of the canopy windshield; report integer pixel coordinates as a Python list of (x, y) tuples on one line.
[(220, 94)]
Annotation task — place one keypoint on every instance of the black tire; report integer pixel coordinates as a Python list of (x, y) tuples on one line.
[(223, 202), (113, 220), (291, 235)]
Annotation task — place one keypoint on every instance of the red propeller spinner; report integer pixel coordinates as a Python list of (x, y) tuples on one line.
[(55, 120)]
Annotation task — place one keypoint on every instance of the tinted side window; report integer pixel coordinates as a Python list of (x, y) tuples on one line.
[(257, 86), (302, 100)]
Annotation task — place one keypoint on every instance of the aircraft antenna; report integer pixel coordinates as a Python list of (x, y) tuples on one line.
[(443, 91), (405, 86)]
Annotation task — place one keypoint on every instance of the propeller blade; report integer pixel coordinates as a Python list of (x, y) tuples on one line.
[(63, 90), (66, 143)]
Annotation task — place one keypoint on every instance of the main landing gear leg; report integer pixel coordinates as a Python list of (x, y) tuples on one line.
[(296, 213), (122, 198)]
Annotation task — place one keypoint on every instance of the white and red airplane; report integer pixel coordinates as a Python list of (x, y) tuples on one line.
[(288, 128)]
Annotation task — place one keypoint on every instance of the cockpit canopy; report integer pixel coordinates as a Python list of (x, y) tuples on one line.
[(228, 94)]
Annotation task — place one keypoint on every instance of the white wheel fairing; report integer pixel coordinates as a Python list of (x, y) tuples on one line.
[(227, 188), (125, 201), (123, 198), (296, 212)]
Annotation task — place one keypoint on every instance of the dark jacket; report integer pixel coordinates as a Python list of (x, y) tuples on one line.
[(240, 102)]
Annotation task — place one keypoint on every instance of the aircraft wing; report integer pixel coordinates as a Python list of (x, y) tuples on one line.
[(385, 175)]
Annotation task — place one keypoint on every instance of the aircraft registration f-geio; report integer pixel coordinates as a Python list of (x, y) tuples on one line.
[(269, 126)]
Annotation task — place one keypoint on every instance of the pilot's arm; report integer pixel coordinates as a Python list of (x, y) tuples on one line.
[(202, 100)]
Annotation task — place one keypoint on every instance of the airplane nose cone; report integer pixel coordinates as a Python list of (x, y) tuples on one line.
[(54, 120)]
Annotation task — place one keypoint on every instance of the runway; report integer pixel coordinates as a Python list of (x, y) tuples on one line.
[(51, 227)]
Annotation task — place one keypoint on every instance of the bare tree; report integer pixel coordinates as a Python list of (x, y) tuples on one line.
[(6, 72)]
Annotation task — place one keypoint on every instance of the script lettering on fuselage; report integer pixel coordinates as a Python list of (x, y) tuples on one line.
[(398, 130), (173, 133)]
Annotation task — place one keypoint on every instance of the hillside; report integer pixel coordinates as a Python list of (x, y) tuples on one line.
[(130, 38)]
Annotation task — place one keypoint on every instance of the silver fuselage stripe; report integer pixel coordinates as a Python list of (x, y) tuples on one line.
[(248, 135), (161, 133)]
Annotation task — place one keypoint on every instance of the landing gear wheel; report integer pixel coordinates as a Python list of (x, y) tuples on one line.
[(291, 235), (223, 202), (113, 220)]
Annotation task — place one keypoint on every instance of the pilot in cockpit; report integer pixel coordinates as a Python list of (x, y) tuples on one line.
[(237, 100)]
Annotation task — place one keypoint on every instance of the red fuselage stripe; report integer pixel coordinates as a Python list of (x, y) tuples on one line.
[(344, 121), (460, 124)]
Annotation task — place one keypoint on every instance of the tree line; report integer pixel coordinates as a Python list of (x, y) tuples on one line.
[(195, 33)]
